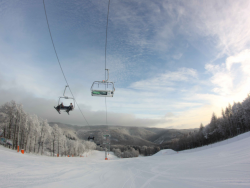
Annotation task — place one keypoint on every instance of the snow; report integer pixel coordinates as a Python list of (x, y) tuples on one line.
[(165, 152), (225, 164), (224, 142)]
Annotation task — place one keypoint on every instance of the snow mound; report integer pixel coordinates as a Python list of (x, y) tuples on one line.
[(165, 152)]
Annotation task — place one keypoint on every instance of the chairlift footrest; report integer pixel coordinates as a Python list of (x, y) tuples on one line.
[(57, 110)]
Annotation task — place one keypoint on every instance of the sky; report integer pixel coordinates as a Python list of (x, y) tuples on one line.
[(173, 62)]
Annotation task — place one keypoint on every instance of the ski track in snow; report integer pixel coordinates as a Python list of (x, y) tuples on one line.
[(225, 164)]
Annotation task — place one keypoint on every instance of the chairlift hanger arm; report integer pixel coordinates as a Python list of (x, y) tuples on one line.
[(65, 90), (102, 82), (67, 98), (107, 75)]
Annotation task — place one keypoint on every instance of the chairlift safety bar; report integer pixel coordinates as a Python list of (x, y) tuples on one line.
[(66, 97)]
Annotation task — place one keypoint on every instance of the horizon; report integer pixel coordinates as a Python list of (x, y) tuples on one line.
[(118, 126)]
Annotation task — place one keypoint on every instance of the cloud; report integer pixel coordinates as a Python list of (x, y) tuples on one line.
[(225, 24), (230, 83), (228, 79), (156, 26), (242, 58), (166, 81), (221, 78), (177, 56), (44, 108), (169, 114)]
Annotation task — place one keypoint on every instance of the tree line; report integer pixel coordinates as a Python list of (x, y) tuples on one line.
[(35, 135), (235, 120), (134, 151)]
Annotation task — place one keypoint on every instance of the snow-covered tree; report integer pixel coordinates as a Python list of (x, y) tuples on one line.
[(35, 135), (235, 120)]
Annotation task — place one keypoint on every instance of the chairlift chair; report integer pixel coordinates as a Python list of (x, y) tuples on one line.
[(66, 108), (107, 92), (91, 138)]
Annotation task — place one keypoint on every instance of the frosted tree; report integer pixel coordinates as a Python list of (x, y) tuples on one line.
[(44, 133), (34, 134), (31, 125), (117, 152), (58, 138), (2, 122), (71, 147), (246, 113), (54, 137), (200, 134), (228, 115), (23, 128), (81, 148), (8, 113)]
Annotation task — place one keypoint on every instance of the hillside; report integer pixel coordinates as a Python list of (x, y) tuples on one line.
[(163, 136), (124, 135)]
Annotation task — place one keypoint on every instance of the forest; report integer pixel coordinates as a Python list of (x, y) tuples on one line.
[(134, 151), (34, 135), (235, 120)]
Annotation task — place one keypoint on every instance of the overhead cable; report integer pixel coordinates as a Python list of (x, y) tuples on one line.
[(105, 59), (60, 63)]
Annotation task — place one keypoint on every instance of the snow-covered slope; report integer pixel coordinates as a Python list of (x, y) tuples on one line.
[(165, 152), (226, 165)]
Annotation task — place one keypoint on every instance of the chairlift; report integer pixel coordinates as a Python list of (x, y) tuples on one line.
[(91, 138), (60, 106), (107, 92)]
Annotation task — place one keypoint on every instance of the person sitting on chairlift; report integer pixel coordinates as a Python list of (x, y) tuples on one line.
[(59, 107), (70, 107), (91, 138), (67, 108)]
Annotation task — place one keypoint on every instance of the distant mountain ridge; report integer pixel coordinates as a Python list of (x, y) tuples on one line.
[(124, 135)]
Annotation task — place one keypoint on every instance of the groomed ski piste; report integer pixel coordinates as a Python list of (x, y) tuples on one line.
[(224, 164)]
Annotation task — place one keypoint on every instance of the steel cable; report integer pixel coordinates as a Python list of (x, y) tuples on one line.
[(59, 61), (106, 60)]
